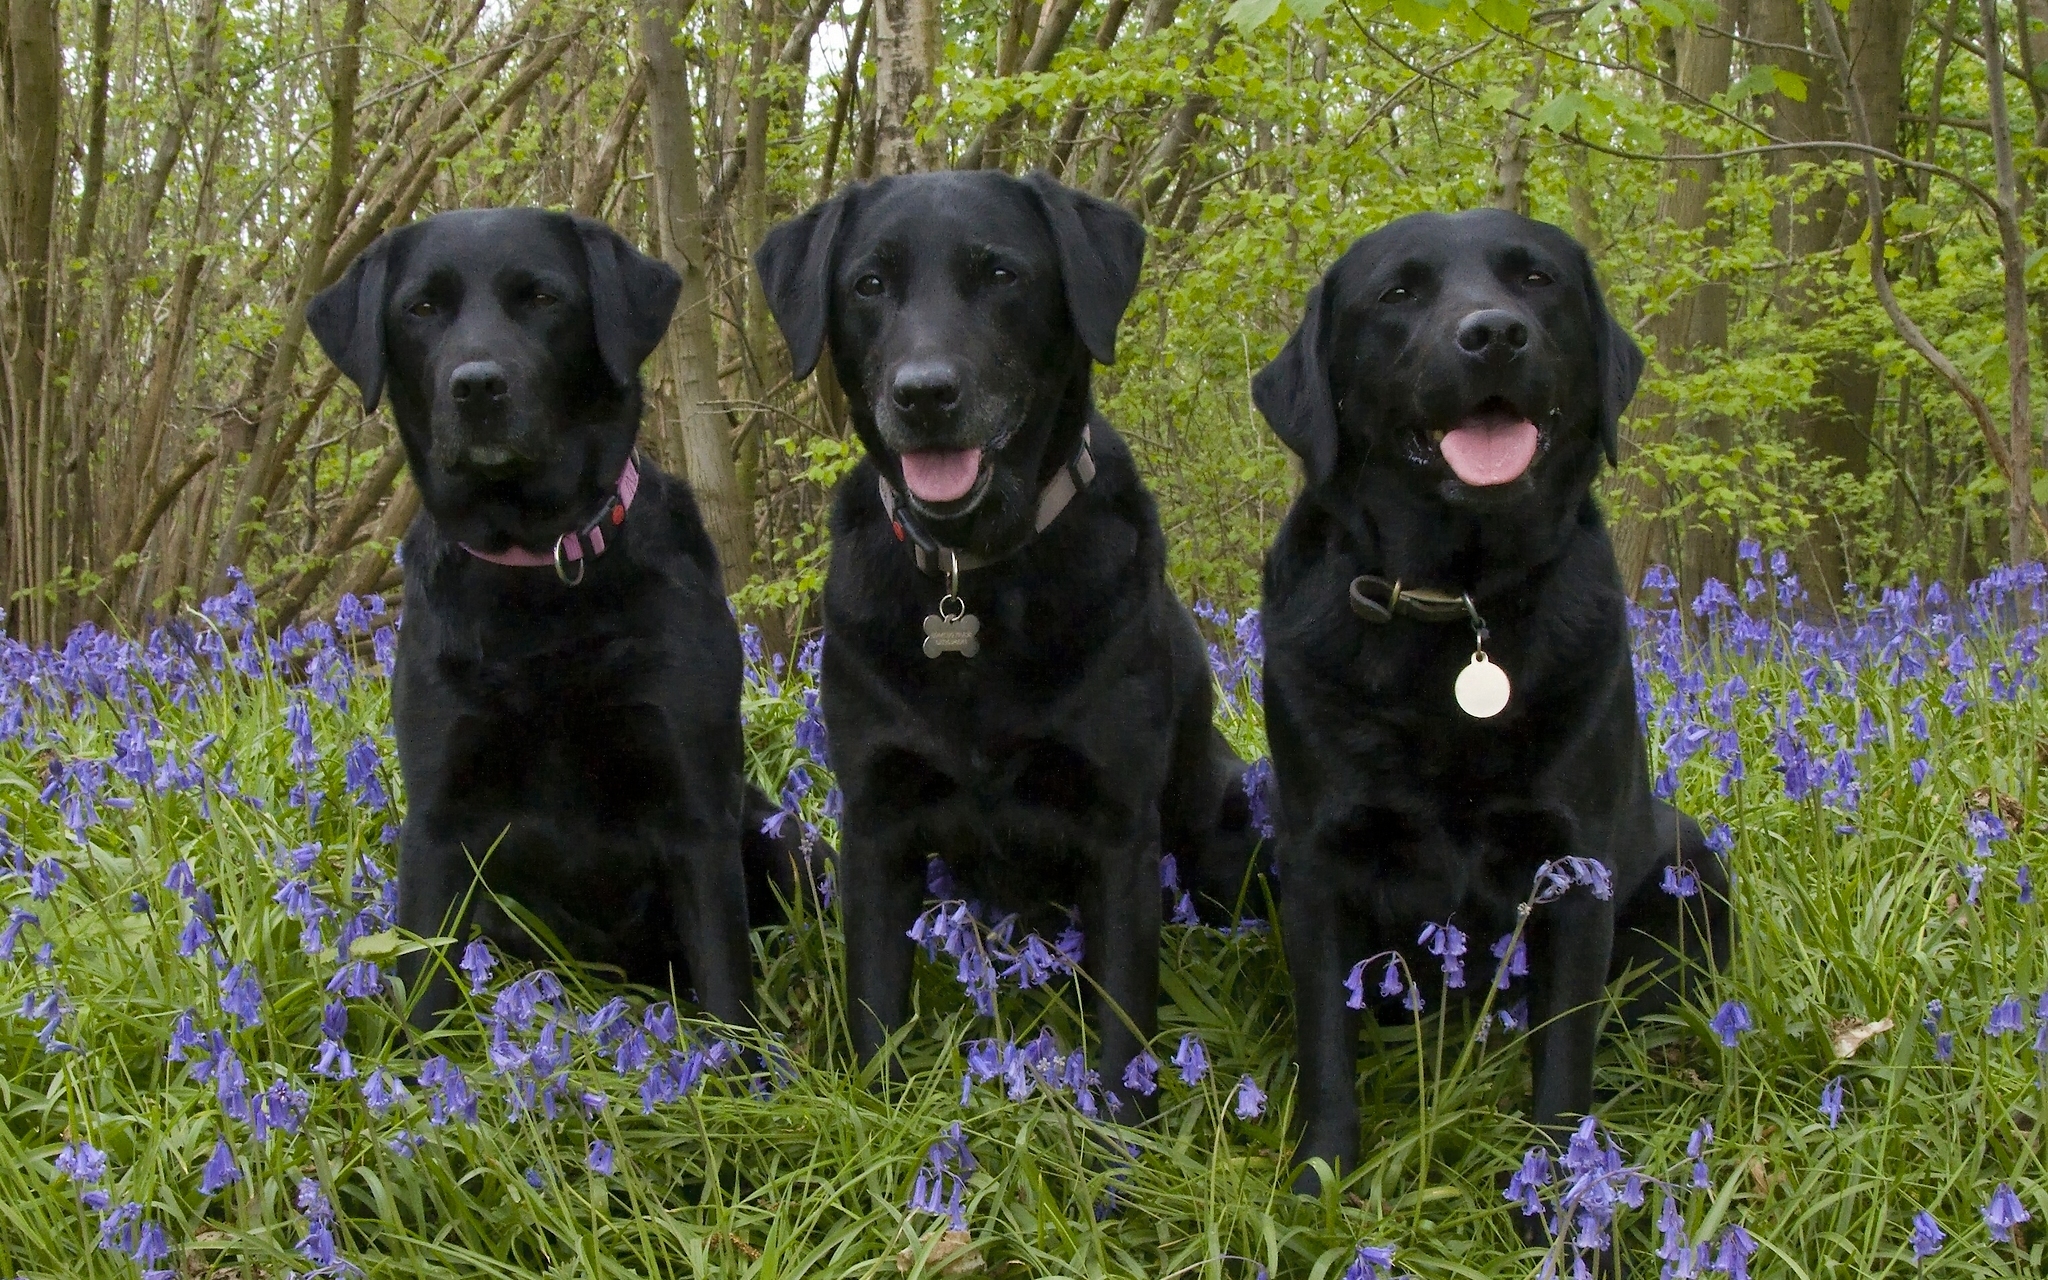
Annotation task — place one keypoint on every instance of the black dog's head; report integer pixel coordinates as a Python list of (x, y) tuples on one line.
[(511, 342), (1469, 357), (962, 310)]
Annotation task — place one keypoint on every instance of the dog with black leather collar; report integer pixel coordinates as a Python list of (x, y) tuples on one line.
[(963, 313)]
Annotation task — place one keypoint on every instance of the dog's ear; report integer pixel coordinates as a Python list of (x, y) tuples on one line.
[(347, 319), (1101, 248), (1620, 361), (632, 297), (1293, 392), (795, 263)]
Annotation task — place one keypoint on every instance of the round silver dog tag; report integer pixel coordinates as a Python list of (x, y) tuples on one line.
[(1482, 688)]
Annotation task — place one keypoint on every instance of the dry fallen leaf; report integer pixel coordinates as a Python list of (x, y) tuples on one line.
[(953, 1253), (1850, 1034)]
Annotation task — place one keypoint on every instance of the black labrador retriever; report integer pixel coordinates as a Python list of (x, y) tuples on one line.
[(1451, 392), (566, 700), (1008, 680)]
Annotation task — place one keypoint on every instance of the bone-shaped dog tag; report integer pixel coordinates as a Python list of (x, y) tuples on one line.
[(956, 634)]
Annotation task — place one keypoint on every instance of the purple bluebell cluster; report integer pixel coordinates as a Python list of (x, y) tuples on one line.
[(941, 1185)]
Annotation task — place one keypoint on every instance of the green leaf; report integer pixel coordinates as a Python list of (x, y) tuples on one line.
[(1250, 15), (1789, 83), (1558, 114)]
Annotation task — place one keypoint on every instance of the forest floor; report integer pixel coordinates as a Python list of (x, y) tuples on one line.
[(204, 1070)]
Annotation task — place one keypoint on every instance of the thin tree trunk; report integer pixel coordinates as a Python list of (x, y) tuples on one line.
[(31, 97), (906, 51), (849, 90), (1697, 320), (703, 438)]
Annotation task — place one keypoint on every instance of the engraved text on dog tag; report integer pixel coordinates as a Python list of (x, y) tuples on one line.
[(955, 634)]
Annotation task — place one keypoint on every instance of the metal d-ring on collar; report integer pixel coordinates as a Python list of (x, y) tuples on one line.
[(951, 607), (1377, 601)]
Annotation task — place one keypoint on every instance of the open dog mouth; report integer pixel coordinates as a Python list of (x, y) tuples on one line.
[(949, 482), (1492, 445)]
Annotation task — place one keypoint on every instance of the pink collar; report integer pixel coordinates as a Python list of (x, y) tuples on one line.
[(568, 548)]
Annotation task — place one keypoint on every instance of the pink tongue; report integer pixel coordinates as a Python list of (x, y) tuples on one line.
[(942, 475), (1488, 449)]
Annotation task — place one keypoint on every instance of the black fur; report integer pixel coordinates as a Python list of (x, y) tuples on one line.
[(581, 744), (1055, 766), (1395, 808)]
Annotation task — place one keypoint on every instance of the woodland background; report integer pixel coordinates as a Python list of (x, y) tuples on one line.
[(178, 177)]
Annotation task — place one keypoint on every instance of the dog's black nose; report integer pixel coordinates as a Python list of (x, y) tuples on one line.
[(1492, 336), (926, 387), (476, 383)]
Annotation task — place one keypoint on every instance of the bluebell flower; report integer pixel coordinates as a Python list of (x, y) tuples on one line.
[(1447, 944), (1513, 953), (1251, 1100), (1258, 792), (221, 1171), (2008, 1016), (278, 1108), (1556, 877), (1527, 1184), (1391, 984), (358, 980), (405, 1144), (1732, 1258), (1696, 1151), (241, 996), (2004, 1213), (947, 1163), (1661, 580), (44, 877), (1831, 1101), (1927, 1236), (2023, 880), (1354, 986), (1142, 1074), (10, 936), (1192, 1059), (1730, 1021), (382, 1091), (1679, 881), (600, 1160), (361, 767), (660, 1022), (1371, 1262), (477, 962), (452, 1097), (81, 1162)]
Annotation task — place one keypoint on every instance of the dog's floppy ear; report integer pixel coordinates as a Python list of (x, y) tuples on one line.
[(632, 297), (347, 318), (795, 262), (1101, 248), (1293, 392), (1620, 361)]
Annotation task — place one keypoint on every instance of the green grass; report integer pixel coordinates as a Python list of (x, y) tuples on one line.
[(1845, 916)]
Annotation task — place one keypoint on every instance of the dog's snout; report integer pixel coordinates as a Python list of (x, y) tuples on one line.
[(926, 387), (477, 383), (1492, 336)]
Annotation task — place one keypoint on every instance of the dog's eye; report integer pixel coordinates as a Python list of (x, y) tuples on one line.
[(1536, 277), (1003, 275), (868, 286), (1396, 295), (422, 309), (544, 300)]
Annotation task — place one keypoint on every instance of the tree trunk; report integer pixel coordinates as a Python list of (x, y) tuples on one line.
[(703, 437), (906, 51), (31, 105), (1696, 322)]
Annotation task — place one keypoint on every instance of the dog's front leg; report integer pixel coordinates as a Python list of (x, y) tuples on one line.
[(881, 886), (708, 895), (1326, 1028), (1570, 942), (1120, 921), (432, 871)]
